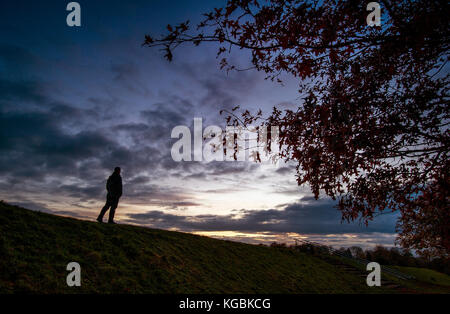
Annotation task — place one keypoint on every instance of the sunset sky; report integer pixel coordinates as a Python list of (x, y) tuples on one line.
[(77, 101)]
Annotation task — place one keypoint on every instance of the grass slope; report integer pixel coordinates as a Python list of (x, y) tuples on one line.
[(36, 247), (426, 275)]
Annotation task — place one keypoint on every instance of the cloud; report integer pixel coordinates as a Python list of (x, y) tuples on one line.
[(68, 148), (130, 77), (318, 217), (33, 206), (16, 60), (82, 192), (366, 240), (39, 139), (285, 170), (24, 90), (217, 89)]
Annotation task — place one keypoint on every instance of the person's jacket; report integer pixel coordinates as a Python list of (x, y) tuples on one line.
[(114, 185)]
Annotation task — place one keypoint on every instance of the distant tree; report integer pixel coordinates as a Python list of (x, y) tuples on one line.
[(278, 245), (372, 130), (345, 251), (394, 256), (305, 247), (381, 255), (408, 259), (357, 252)]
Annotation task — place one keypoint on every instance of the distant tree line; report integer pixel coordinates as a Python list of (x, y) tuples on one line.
[(380, 254)]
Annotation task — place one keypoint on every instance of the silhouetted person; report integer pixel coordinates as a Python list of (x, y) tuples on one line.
[(114, 188)]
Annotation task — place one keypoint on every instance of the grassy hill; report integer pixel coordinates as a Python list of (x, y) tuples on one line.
[(426, 275), (36, 247)]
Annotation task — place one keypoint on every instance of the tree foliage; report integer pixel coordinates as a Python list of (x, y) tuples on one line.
[(372, 128)]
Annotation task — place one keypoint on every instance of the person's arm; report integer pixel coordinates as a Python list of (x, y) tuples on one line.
[(120, 187), (108, 185)]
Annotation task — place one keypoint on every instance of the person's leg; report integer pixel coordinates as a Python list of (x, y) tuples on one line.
[(104, 210), (112, 211)]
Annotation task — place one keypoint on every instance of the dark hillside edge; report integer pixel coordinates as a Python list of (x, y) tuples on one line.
[(36, 247)]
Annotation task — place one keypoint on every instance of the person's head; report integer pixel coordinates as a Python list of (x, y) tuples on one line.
[(117, 170)]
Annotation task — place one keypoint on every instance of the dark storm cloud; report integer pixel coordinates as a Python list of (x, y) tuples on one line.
[(17, 86), (49, 139), (125, 71), (218, 90), (215, 169), (25, 90), (184, 204), (315, 217), (67, 114), (62, 141), (42, 208), (231, 168), (152, 194), (35, 145), (33, 206), (71, 109), (37, 156), (39, 134), (42, 150), (16, 60), (174, 111), (90, 192), (132, 127), (196, 176), (285, 170), (140, 180), (222, 191), (217, 95), (129, 76)]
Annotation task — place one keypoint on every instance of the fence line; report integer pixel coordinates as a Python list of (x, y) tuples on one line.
[(358, 260)]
